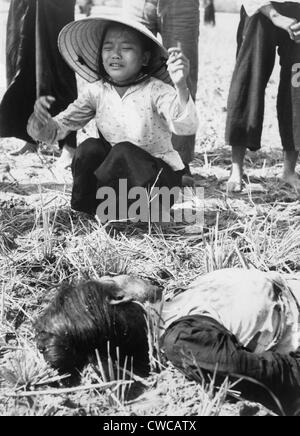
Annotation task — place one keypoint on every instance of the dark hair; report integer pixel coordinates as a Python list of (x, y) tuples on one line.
[(146, 42), (81, 320)]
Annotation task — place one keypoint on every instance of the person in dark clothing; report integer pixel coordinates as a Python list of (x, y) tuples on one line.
[(273, 26), (209, 12), (241, 324), (35, 66)]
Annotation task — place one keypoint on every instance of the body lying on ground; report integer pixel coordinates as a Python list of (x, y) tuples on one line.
[(235, 322)]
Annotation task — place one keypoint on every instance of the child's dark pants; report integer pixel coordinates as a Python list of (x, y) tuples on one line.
[(96, 164)]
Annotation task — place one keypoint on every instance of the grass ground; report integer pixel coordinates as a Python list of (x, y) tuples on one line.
[(42, 243)]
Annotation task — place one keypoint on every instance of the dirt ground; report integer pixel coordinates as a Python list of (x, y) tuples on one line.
[(263, 222)]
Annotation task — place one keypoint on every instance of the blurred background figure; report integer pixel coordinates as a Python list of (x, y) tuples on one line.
[(209, 12), (85, 7), (35, 67)]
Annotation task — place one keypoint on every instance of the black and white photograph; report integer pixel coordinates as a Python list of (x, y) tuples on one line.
[(149, 210)]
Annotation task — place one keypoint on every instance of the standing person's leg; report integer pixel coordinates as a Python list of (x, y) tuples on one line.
[(213, 13), (246, 101), (209, 13), (198, 343), (54, 77), (288, 103), (14, 112), (17, 103), (180, 23)]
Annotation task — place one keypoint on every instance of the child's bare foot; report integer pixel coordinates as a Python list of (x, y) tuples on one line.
[(293, 180), (66, 157), (235, 183)]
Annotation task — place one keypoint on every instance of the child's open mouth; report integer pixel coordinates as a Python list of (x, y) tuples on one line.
[(115, 66)]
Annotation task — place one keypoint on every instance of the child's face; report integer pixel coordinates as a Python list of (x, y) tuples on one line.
[(123, 55)]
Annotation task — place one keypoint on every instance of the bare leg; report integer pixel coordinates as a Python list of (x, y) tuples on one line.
[(289, 169), (235, 181)]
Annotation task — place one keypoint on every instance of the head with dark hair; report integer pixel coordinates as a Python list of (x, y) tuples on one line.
[(132, 50), (85, 317)]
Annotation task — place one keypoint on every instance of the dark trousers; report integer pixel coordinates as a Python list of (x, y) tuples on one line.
[(199, 342), (180, 23), (258, 40), (96, 164)]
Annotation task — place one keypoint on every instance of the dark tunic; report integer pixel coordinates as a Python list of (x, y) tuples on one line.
[(34, 64)]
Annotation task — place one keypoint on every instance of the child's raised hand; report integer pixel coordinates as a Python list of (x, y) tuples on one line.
[(41, 108), (178, 67)]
